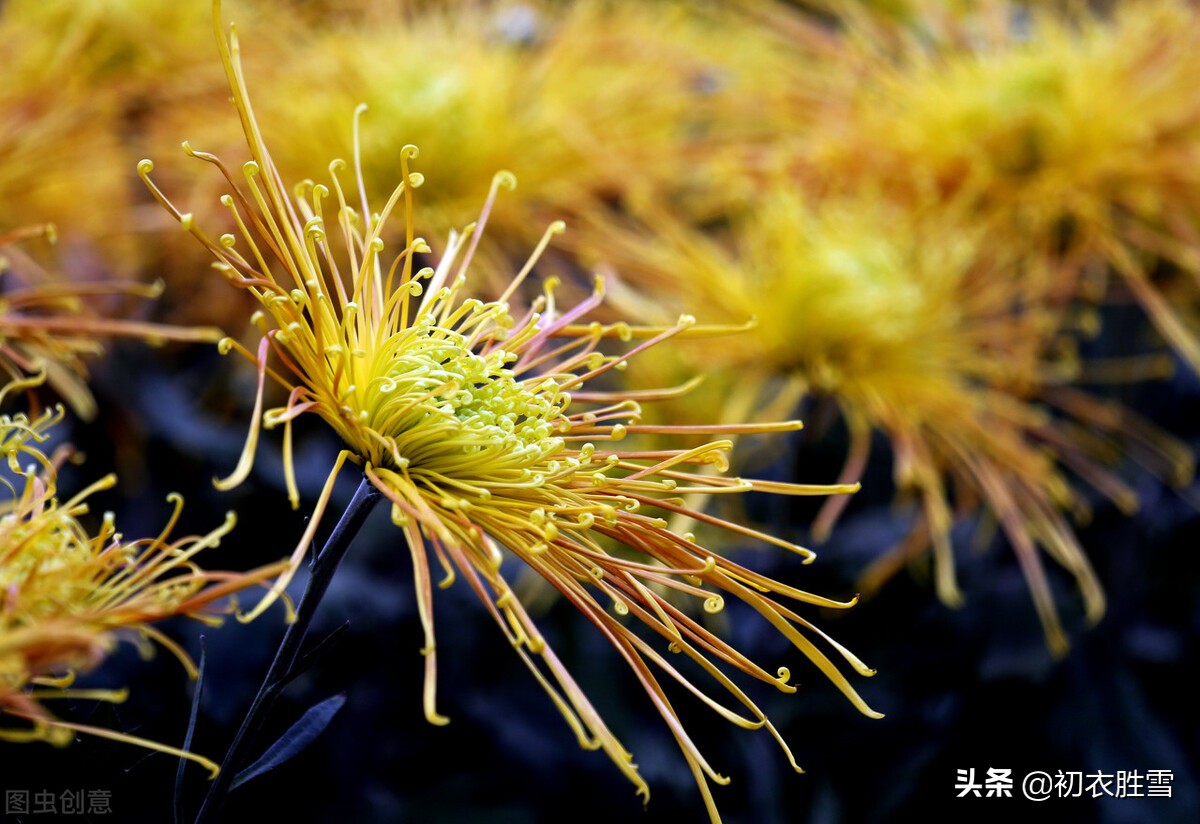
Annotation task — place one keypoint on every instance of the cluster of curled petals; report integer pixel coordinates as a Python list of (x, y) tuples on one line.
[(70, 593), (492, 432)]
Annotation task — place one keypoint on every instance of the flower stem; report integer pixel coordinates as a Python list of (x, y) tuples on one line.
[(280, 673)]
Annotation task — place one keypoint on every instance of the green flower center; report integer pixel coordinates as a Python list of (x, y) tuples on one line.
[(445, 409)]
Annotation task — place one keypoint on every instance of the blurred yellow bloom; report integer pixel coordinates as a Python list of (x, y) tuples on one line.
[(58, 134), (961, 358), (919, 228), (583, 101), (84, 81), (68, 596), (85, 84), (482, 428), (1072, 136)]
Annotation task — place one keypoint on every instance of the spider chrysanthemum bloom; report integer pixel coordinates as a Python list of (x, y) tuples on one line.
[(68, 596), (483, 431)]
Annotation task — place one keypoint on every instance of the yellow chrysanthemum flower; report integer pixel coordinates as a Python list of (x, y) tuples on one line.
[(960, 358), (1074, 137), (482, 428), (68, 596)]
